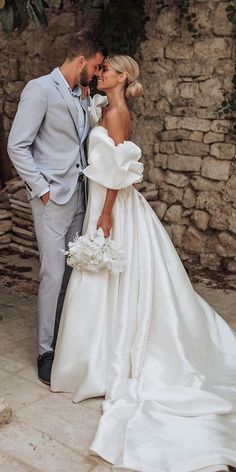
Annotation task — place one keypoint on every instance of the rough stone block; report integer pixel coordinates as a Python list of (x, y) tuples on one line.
[(176, 178), (155, 49), (232, 221), (5, 238), (227, 245), (174, 215), (194, 240), (184, 163), (215, 48), (201, 184), (5, 411), (189, 199), (174, 135), (211, 94), (151, 195), (192, 148), (160, 209), (5, 226), (160, 160), (168, 88), (215, 169), (156, 176), (193, 69), (188, 90), (232, 266), (179, 50), (10, 109), (167, 147), (189, 123), (200, 219), (13, 89), (221, 126), (212, 137), (166, 22), (170, 194), (177, 234), (210, 201), (221, 25), (196, 136), (230, 188), (223, 151)]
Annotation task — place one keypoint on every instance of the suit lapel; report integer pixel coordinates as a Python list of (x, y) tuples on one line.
[(84, 105), (61, 86)]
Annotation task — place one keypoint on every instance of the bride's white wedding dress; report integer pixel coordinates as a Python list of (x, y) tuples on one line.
[(163, 358)]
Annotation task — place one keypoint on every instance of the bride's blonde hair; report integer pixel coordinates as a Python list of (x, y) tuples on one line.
[(123, 63)]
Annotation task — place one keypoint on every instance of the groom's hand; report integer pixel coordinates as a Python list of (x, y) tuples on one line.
[(45, 198)]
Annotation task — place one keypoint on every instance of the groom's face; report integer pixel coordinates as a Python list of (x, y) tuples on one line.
[(90, 69)]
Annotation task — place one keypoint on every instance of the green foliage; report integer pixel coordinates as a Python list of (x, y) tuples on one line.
[(189, 17), (16, 14), (228, 105), (122, 25), (231, 12)]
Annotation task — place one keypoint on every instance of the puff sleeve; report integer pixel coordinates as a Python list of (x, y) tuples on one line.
[(112, 166)]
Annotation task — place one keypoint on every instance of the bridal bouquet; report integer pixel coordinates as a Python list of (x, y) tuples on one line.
[(93, 252)]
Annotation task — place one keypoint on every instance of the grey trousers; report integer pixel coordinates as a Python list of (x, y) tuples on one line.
[(55, 226)]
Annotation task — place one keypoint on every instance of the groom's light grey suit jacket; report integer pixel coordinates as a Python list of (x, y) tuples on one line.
[(44, 143)]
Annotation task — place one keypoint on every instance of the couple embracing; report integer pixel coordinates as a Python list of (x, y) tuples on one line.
[(162, 357)]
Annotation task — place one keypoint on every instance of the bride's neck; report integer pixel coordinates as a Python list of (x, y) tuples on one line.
[(116, 98)]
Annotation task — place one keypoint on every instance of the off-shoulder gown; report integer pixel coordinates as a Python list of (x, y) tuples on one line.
[(163, 358)]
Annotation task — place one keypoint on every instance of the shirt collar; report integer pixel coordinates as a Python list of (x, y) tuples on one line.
[(76, 90)]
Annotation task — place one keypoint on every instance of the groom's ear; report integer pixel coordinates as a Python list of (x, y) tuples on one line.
[(81, 61)]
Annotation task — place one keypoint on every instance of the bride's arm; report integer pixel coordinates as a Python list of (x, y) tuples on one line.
[(113, 123)]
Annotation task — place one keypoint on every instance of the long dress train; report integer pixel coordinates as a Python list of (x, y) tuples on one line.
[(163, 358)]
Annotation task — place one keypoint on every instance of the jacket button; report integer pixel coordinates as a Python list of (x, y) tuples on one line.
[(77, 165)]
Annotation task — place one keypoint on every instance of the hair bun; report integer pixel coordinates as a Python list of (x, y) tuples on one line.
[(133, 90)]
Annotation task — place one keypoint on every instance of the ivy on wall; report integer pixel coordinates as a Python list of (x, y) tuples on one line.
[(228, 106), (189, 18)]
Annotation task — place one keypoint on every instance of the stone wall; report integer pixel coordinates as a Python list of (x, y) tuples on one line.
[(189, 155)]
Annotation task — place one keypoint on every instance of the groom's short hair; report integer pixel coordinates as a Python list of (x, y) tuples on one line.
[(86, 44)]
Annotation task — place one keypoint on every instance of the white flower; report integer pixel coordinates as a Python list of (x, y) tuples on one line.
[(93, 252)]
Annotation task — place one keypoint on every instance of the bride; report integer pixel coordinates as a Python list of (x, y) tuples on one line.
[(163, 358)]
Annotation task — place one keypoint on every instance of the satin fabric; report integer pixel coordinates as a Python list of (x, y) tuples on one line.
[(163, 358)]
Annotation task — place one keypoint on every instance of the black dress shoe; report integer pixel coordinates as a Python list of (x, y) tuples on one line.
[(45, 366)]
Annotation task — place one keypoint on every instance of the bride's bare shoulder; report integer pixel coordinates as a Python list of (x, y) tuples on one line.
[(118, 124)]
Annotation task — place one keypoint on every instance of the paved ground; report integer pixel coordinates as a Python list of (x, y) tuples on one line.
[(48, 433)]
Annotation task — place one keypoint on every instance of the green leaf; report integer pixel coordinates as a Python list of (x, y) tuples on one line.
[(21, 15), (7, 18), (37, 16), (38, 5), (45, 4)]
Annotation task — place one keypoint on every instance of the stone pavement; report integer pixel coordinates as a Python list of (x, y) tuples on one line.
[(48, 433)]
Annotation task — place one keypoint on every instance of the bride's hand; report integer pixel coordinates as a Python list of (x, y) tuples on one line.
[(105, 222)]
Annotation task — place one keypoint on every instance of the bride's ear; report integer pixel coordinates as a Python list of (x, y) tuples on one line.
[(122, 77)]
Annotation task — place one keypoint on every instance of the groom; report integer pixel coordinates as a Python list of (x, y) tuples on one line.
[(46, 146)]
